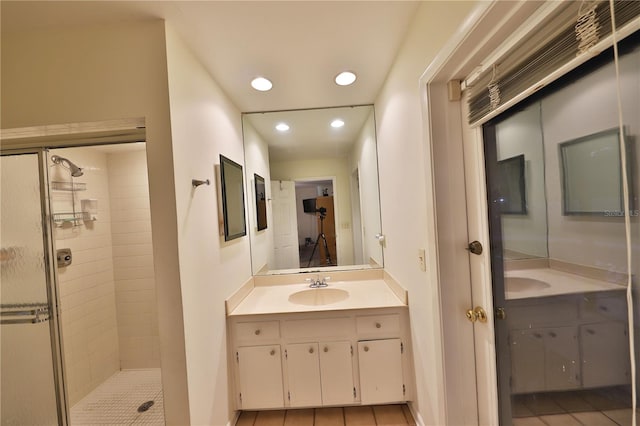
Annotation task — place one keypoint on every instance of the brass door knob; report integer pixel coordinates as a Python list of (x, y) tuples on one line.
[(477, 314)]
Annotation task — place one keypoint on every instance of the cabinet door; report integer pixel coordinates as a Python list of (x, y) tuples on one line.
[(336, 373), (605, 354), (303, 374), (260, 377), (527, 360), (562, 358), (380, 364)]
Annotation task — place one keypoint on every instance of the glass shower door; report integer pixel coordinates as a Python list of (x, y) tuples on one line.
[(29, 392)]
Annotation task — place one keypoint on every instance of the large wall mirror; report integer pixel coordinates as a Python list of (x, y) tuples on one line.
[(320, 170)]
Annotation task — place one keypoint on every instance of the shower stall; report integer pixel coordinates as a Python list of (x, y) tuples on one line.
[(79, 336)]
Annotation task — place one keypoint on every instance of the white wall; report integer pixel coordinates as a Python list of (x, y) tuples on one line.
[(404, 204), (322, 168), (87, 287), (364, 158), (204, 124), (99, 73), (133, 264), (256, 160)]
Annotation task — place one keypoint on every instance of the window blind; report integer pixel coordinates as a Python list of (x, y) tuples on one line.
[(575, 30)]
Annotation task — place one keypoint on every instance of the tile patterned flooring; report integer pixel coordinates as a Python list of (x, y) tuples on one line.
[(597, 407), (377, 415), (116, 401)]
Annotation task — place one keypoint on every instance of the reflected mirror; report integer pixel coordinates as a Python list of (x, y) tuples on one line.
[(320, 175)]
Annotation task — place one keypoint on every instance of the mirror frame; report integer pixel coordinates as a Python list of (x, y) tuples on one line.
[(261, 214), (612, 194), (235, 224)]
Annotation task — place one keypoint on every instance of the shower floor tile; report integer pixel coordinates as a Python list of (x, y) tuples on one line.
[(116, 401)]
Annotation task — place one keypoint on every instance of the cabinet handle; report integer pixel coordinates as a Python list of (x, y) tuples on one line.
[(310, 350), (366, 348), (378, 325), (326, 349), (257, 332), (273, 352)]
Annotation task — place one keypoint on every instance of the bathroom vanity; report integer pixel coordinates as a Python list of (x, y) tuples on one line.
[(295, 346), (566, 332)]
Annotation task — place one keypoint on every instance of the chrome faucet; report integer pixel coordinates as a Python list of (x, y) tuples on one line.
[(317, 283)]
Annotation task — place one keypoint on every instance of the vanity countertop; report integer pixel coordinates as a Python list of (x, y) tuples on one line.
[(557, 283), (277, 299)]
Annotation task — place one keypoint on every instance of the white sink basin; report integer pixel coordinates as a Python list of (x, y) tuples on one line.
[(518, 284), (318, 296)]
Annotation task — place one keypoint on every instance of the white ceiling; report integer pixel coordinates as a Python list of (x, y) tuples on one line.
[(299, 45)]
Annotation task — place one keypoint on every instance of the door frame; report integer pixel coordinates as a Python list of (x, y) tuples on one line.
[(451, 144), (53, 295)]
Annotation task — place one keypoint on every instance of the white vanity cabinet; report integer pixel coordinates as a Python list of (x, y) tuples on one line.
[(259, 373), (319, 374), (302, 366), (568, 342), (328, 358), (381, 371)]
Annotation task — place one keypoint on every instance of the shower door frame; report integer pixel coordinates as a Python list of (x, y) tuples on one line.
[(53, 295)]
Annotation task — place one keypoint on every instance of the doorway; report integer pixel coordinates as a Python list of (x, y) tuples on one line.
[(103, 325), (316, 213), (559, 250)]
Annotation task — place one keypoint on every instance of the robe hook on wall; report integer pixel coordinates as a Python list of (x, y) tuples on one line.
[(196, 182)]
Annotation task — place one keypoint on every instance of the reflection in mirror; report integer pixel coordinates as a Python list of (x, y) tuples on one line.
[(321, 182), (261, 202), (524, 235)]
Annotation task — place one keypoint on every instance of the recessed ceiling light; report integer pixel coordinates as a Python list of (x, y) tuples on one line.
[(337, 123), (262, 84), (345, 78), (282, 127)]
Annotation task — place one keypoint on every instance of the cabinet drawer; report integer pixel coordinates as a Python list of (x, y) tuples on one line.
[(604, 308), (317, 328), (258, 330), (378, 324), (549, 313)]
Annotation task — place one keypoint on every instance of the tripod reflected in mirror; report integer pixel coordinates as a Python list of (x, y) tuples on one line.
[(322, 215)]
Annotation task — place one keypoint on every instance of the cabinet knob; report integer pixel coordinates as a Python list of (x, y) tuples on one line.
[(537, 335), (257, 332), (326, 349), (590, 331), (553, 334), (604, 308), (273, 352), (310, 350), (378, 325), (366, 348)]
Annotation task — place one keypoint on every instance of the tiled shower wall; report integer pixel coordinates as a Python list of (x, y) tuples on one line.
[(133, 260), (87, 290)]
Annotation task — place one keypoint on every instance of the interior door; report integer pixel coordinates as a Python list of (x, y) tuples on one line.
[(30, 392), (285, 224)]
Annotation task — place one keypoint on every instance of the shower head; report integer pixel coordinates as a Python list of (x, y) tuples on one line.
[(75, 170)]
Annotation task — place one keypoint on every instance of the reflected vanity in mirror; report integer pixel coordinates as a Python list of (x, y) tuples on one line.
[(323, 158), (231, 183)]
